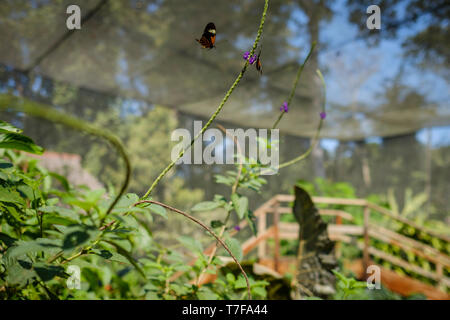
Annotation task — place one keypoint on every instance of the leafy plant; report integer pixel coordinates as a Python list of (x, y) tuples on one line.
[(413, 203), (48, 225), (347, 287)]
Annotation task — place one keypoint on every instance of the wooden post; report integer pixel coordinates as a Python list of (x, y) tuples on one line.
[(276, 218), (261, 228), (366, 259), (440, 276), (337, 246)]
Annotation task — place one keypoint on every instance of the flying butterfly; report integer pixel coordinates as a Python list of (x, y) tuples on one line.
[(208, 37), (258, 64)]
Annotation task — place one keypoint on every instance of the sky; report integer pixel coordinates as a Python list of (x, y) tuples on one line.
[(387, 57), (376, 65)]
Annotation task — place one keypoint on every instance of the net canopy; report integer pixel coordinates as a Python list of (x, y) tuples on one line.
[(146, 50)]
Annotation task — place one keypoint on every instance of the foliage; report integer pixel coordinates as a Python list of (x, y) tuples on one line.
[(348, 286), (48, 225), (277, 288), (412, 203), (145, 137)]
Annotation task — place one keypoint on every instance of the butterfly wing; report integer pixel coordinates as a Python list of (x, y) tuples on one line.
[(208, 38), (212, 40), (205, 42), (258, 64)]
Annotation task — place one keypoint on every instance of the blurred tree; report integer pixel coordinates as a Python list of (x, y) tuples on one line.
[(147, 139), (316, 12), (427, 23)]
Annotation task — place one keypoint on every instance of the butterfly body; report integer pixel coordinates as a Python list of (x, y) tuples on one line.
[(258, 64), (208, 38)]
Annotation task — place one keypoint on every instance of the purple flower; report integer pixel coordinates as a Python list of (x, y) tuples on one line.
[(252, 59), (284, 107), (237, 228), (323, 115), (246, 54)]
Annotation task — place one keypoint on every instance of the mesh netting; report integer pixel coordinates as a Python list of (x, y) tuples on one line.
[(146, 50)]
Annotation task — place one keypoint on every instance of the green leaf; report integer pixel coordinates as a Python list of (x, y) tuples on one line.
[(85, 205), (191, 243), (5, 165), (205, 206), (235, 248), (341, 277), (47, 272), (52, 218), (64, 182), (240, 283), (216, 224), (7, 195), (179, 290), (224, 180), (220, 199), (93, 196), (127, 200), (9, 241), (240, 204), (259, 291), (28, 192), (158, 210), (19, 142), (78, 235), (230, 278), (63, 212), (110, 255), (205, 293), (41, 244), (5, 127), (14, 214), (251, 220), (122, 251), (19, 273), (151, 295)]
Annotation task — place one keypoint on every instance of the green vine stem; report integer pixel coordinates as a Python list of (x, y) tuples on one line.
[(299, 73), (316, 136), (44, 112), (197, 221), (219, 108), (233, 191)]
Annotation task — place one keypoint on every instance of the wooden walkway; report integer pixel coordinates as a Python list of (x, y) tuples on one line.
[(271, 228), (341, 232)]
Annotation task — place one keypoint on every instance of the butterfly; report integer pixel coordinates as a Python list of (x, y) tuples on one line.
[(208, 37), (258, 64)]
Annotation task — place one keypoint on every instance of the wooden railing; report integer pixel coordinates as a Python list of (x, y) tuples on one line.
[(340, 232)]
